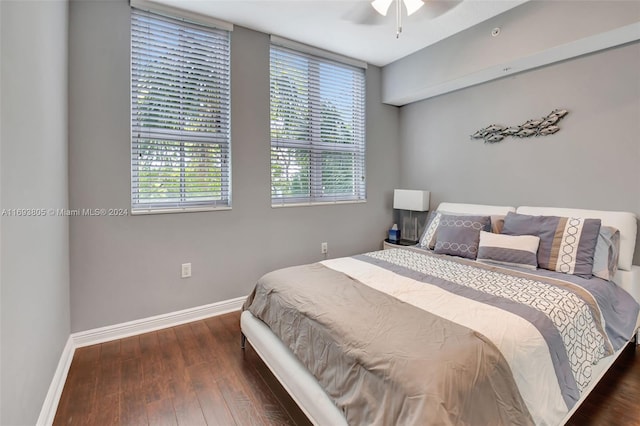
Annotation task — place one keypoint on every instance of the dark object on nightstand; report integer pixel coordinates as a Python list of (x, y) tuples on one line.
[(402, 242)]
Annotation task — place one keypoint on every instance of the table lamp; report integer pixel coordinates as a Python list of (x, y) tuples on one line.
[(414, 201)]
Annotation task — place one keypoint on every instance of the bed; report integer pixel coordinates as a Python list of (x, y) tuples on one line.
[(417, 336)]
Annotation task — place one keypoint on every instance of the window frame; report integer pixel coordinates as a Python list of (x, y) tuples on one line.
[(193, 150), (315, 145)]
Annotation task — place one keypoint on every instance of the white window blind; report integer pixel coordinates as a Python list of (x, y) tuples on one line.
[(317, 129), (180, 115)]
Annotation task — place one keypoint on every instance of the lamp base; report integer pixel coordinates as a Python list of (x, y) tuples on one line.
[(412, 224)]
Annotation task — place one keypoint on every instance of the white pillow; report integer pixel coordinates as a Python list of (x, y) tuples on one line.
[(511, 250)]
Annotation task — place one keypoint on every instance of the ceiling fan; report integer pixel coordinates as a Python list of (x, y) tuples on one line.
[(382, 6), (375, 11)]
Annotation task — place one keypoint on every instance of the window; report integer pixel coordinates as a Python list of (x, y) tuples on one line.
[(180, 115), (317, 129)]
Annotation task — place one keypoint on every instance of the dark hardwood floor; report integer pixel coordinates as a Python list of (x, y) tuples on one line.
[(196, 374)]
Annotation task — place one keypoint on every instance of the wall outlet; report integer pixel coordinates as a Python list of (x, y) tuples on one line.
[(324, 248), (186, 270)]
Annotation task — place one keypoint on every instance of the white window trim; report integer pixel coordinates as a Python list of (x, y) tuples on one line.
[(142, 212), (174, 12), (315, 51)]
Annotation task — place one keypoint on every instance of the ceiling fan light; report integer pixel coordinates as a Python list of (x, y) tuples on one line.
[(412, 6), (382, 6)]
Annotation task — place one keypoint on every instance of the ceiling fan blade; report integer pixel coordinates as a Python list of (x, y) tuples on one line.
[(363, 13), (382, 6), (412, 6)]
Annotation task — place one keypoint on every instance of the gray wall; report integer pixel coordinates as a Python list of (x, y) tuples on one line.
[(533, 33), (592, 162), (125, 268), (34, 250)]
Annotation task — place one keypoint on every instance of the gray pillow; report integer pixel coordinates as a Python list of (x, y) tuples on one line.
[(567, 244), (428, 238), (605, 259), (460, 235)]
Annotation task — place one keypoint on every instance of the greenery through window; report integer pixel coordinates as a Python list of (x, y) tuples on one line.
[(180, 108), (317, 129)]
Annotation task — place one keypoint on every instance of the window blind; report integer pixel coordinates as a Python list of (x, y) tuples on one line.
[(180, 115), (317, 129)]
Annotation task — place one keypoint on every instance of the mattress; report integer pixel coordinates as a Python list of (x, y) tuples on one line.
[(402, 336)]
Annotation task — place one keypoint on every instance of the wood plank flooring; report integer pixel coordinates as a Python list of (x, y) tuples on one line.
[(196, 374)]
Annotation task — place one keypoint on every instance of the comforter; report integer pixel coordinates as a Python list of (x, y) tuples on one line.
[(409, 337)]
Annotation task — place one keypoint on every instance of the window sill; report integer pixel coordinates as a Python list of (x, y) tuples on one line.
[(319, 203), (140, 212)]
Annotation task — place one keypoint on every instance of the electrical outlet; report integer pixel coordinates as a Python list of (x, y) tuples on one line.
[(186, 270), (324, 248)]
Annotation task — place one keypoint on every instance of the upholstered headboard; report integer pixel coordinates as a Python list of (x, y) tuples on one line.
[(480, 209)]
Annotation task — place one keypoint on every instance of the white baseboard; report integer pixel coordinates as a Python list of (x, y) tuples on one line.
[(50, 406), (145, 325), (120, 331)]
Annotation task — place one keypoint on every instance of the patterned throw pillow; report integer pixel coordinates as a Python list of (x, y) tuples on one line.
[(460, 235), (428, 238), (567, 244), (605, 259), (510, 250)]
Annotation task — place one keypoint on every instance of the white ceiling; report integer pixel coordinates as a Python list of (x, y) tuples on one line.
[(338, 25)]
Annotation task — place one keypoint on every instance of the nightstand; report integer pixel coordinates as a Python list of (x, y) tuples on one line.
[(398, 244)]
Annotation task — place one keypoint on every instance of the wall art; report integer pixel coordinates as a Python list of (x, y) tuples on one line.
[(537, 127)]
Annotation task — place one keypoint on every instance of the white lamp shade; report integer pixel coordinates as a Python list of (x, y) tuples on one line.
[(411, 199)]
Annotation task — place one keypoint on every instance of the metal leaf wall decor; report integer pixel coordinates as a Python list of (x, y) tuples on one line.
[(537, 127)]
